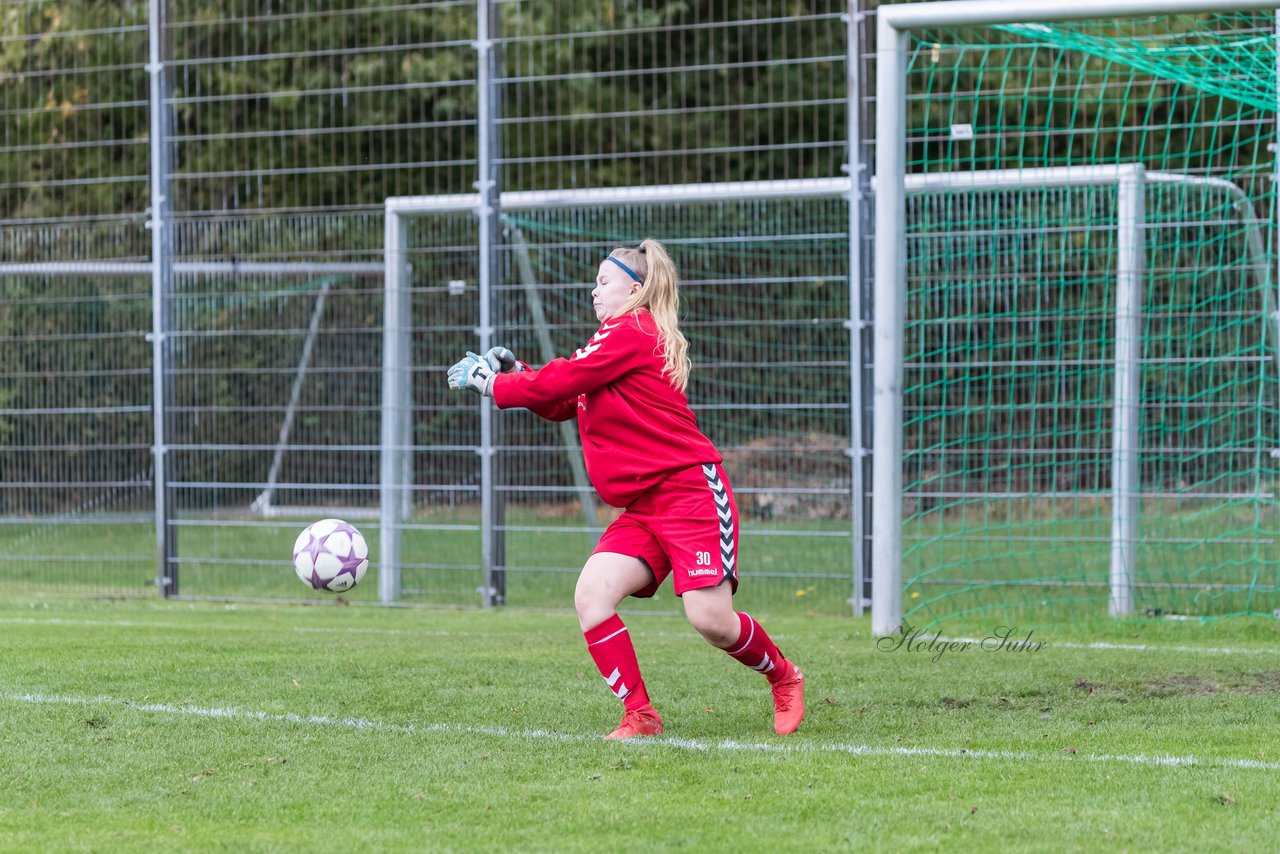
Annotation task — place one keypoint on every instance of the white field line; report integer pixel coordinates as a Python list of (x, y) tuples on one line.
[(792, 747)]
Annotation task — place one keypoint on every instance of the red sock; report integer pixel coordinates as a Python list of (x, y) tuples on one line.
[(610, 646), (755, 649)]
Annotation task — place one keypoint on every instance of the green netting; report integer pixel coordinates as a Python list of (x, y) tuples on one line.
[(1230, 55), (1011, 331)]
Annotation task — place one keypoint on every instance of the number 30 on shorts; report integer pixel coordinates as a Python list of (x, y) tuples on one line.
[(704, 558)]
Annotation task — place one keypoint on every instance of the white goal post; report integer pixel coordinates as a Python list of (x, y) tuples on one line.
[(894, 25)]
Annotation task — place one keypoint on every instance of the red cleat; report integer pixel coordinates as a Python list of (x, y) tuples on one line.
[(788, 702), (637, 724)]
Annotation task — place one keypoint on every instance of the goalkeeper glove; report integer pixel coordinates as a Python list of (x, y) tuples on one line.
[(503, 360), (472, 372)]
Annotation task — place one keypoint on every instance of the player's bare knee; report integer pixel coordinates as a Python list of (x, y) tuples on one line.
[(710, 611), (595, 599), (714, 635), (592, 604), (719, 630)]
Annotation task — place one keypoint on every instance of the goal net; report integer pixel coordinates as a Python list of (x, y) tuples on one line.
[(1076, 254)]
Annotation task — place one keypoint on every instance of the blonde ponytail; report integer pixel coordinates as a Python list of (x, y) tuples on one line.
[(661, 296)]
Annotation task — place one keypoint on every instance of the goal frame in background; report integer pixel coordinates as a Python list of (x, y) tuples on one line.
[(397, 369), (894, 26)]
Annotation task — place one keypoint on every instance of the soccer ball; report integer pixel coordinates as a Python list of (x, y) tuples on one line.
[(330, 555)]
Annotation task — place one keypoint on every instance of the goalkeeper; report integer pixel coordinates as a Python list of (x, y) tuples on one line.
[(645, 453)]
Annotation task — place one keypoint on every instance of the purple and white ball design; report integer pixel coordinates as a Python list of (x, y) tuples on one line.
[(331, 555)]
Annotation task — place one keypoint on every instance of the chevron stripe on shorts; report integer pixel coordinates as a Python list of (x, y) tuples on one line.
[(724, 515)]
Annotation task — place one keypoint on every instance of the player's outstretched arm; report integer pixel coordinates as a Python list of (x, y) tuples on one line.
[(477, 373), (614, 350)]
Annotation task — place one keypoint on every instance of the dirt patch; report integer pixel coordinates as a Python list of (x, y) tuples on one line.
[(1266, 682), (1182, 686)]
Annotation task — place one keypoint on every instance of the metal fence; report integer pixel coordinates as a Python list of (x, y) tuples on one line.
[(192, 267), (193, 256)]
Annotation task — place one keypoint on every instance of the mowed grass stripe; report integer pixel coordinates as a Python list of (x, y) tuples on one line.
[(1099, 646), (659, 741)]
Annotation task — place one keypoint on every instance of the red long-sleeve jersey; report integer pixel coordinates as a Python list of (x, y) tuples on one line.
[(636, 429)]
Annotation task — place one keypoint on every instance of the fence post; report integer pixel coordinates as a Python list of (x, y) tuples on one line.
[(492, 501), (859, 404), (161, 284)]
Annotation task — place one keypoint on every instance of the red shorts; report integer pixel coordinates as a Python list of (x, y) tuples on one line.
[(685, 527)]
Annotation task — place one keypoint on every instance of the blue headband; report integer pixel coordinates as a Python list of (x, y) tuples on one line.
[(630, 272)]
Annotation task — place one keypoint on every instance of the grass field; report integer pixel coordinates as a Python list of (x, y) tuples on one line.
[(146, 725)]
